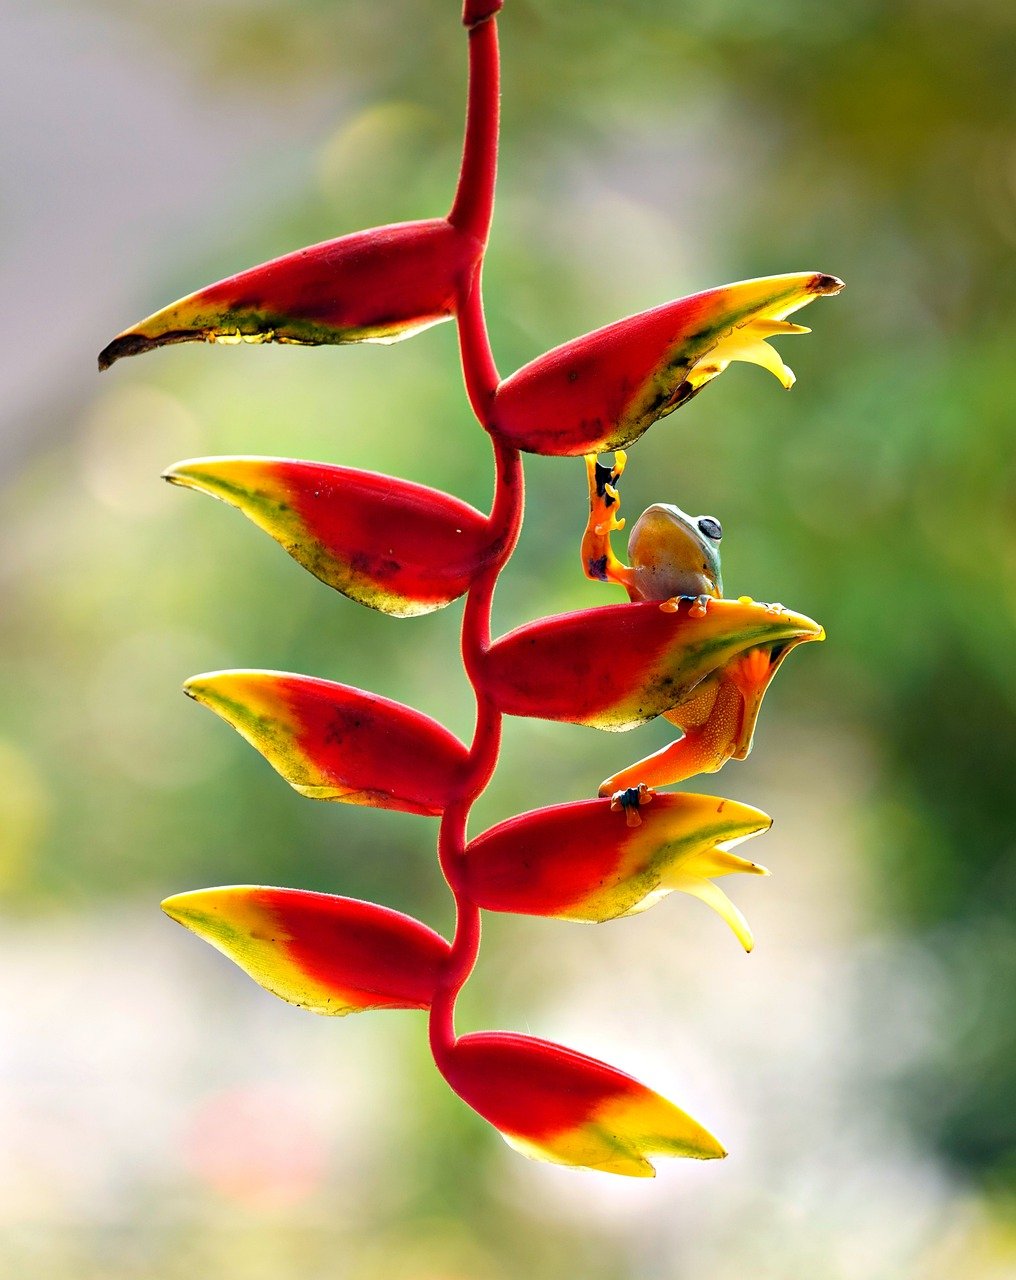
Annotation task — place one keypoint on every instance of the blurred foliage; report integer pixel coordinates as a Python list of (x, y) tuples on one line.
[(646, 155)]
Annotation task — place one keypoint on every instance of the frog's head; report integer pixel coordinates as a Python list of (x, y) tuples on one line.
[(674, 554)]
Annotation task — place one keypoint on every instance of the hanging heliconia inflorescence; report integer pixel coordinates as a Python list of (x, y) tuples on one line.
[(678, 648)]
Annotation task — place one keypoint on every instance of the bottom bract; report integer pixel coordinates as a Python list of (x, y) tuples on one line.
[(551, 1103)]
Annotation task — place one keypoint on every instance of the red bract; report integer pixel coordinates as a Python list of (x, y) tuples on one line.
[(374, 286), (702, 661), (390, 544), (330, 955), (585, 861), (332, 742), (603, 390), (620, 665), (553, 1104)]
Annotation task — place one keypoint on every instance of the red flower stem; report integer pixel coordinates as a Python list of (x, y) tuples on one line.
[(473, 206), (472, 210), (506, 521), (474, 11)]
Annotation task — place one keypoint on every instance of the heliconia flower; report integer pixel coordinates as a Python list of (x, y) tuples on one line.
[(396, 546), (621, 665), (584, 861), (603, 390), (372, 286), (327, 954), (333, 742), (551, 1103)]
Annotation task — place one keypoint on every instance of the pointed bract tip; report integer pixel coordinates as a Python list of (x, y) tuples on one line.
[(744, 818), (805, 629), (213, 687), (201, 910), (824, 284), (197, 687), (186, 473), (176, 906), (136, 344), (124, 345)]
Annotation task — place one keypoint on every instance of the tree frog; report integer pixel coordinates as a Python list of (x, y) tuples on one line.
[(676, 557)]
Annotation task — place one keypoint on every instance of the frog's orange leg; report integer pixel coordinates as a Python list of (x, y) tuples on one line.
[(598, 559), (718, 723), (711, 721)]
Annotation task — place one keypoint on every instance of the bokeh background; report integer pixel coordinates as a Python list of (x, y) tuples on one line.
[(161, 1116)]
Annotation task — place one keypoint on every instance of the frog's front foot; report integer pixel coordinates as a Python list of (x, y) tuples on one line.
[(698, 608), (598, 560)]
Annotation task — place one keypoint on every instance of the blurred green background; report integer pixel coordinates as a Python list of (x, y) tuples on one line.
[(161, 1116)]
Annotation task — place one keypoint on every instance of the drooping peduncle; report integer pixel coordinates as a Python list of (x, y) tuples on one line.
[(472, 212), (473, 206)]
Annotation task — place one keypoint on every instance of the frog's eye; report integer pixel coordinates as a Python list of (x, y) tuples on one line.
[(710, 527)]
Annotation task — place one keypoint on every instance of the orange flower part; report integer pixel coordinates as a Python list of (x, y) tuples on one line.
[(551, 1103), (390, 544), (621, 665), (587, 861), (603, 390), (332, 742), (327, 954), (372, 286)]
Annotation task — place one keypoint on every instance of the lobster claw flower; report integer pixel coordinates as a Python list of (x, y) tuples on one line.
[(603, 390), (551, 1103), (333, 742), (372, 286), (327, 954), (587, 861), (621, 665), (392, 545)]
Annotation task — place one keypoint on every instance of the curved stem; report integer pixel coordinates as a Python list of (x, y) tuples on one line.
[(479, 372), (506, 521), (474, 11), (473, 206), (472, 211)]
